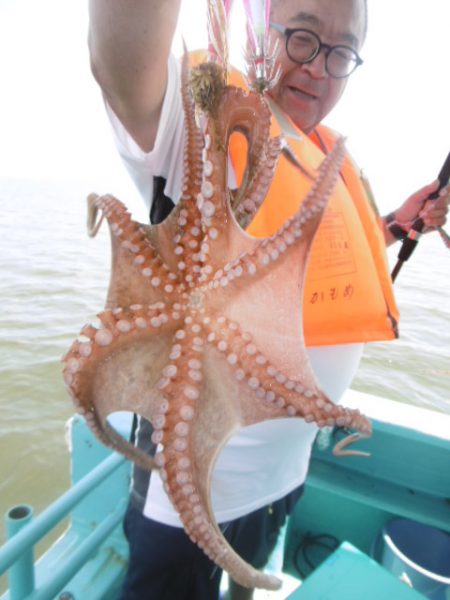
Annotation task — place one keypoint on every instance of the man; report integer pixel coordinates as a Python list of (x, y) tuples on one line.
[(253, 487)]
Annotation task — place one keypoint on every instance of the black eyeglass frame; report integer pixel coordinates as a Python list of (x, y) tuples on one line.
[(288, 32)]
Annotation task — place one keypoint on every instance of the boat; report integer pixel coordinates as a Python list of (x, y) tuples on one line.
[(366, 527)]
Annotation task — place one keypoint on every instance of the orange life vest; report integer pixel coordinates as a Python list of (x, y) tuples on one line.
[(348, 294)]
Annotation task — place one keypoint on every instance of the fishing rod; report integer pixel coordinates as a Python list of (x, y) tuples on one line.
[(412, 239)]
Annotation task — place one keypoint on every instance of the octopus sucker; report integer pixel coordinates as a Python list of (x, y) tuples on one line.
[(202, 330)]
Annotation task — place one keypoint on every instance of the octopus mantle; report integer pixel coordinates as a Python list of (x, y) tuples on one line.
[(202, 330)]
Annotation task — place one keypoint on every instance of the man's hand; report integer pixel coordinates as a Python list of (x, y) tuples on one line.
[(432, 212)]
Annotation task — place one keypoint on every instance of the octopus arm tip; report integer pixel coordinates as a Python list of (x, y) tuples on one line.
[(339, 449)]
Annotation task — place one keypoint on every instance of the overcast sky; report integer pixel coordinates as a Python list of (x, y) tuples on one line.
[(395, 111)]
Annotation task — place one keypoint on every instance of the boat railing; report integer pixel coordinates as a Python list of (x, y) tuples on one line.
[(96, 503)]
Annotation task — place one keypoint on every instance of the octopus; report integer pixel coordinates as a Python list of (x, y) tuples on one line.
[(202, 330)]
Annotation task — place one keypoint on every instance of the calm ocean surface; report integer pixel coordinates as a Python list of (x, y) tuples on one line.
[(54, 279)]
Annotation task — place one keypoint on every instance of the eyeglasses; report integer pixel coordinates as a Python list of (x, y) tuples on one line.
[(303, 46)]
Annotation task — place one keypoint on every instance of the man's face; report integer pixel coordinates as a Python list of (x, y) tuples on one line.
[(306, 92)]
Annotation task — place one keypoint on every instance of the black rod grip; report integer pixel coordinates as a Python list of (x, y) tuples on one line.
[(444, 178), (411, 241)]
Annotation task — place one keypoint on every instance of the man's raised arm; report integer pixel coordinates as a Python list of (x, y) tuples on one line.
[(129, 44)]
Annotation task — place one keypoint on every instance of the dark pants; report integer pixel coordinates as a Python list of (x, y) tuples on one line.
[(165, 565)]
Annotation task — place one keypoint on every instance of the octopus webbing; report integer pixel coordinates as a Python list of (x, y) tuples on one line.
[(202, 331)]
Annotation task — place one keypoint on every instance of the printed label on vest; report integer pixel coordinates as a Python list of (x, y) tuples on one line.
[(332, 253)]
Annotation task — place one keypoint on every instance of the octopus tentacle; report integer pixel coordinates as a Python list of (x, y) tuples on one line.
[(339, 448), (305, 221), (93, 224), (312, 207), (237, 110), (272, 389), (257, 189), (292, 396), (186, 472), (130, 237), (188, 233), (194, 143), (120, 330)]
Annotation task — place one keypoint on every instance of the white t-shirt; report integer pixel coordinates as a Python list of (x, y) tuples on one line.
[(262, 462)]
